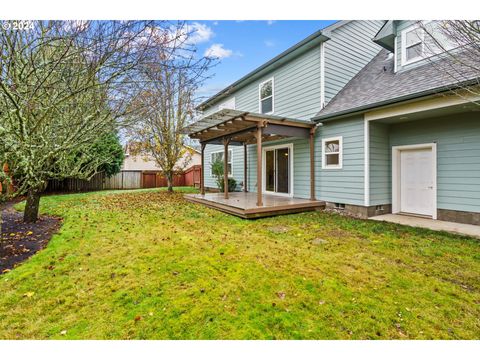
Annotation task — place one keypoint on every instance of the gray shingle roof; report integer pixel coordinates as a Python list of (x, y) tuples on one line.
[(377, 84)]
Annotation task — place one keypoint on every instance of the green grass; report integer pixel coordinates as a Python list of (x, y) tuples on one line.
[(148, 265)]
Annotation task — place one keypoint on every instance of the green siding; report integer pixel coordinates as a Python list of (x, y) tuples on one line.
[(297, 94), (458, 156), (347, 52), (344, 185), (380, 174), (296, 88)]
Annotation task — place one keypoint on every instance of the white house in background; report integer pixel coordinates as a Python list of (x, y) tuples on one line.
[(146, 162)]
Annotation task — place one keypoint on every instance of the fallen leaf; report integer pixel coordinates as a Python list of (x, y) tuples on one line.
[(138, 318), (63, 332), (29, 294)]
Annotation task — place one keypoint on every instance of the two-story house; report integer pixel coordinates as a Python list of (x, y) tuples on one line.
[(373, 126)]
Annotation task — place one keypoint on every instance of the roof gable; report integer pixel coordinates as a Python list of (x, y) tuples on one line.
[(377, 84)]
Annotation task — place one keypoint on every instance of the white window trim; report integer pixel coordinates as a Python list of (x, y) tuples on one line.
[(395, 55), (340, 153), (230, 158), (260, 96), (404, 44), (422, 36), (396, 150), (264, 169)]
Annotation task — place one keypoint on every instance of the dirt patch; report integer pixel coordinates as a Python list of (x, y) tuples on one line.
[(18, 240)]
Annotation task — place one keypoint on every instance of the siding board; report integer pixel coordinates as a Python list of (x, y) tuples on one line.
[(452, 135)]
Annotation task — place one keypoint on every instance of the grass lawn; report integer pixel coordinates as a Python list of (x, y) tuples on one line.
[(148, 265)]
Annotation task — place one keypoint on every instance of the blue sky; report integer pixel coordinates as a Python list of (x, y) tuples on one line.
[(244, 45)]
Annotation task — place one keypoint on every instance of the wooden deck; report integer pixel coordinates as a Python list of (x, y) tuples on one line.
[(245, 206)]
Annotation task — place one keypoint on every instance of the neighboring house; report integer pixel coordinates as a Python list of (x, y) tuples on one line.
[(146, 162), (389, 136)]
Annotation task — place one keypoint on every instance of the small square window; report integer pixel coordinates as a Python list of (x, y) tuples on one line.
[(332, 153)]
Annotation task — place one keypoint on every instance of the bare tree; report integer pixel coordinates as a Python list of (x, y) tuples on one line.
[(453, 48), (63, 86), (165, 105)]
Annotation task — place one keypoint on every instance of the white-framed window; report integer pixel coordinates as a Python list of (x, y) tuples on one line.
[(265, 97), (421, 41), (229, 104), (218, 155), (332, 153)]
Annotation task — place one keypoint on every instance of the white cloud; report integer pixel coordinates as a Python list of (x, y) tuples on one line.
[(215, 23), (269, 43), (199, 33), (270, 22), (218, 51)]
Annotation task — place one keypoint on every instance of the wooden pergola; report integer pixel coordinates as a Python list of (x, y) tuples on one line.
[(233, 127)]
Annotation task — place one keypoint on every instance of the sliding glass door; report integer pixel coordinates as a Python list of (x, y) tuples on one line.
[(277, 170)]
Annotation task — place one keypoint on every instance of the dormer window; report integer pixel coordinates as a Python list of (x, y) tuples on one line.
[(421, 41), (266, 97), (413, 45)]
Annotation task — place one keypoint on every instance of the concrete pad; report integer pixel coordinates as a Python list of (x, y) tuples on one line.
[(438, 225)]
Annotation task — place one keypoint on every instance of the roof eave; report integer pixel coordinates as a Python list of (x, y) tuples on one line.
[(361, 109)]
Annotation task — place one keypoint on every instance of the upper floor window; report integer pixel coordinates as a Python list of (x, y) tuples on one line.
[(423, 40), (266, 96)]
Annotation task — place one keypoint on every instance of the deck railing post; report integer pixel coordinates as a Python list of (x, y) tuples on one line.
[(226, 141), (245, 168), (312, 164), (202, 171), (259, 135)]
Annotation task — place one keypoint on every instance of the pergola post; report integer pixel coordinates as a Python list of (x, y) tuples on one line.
[(245, 167), (226, 141), (259, 135), (312, 164), (202, 171)]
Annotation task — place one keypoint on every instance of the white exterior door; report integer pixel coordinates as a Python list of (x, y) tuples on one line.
[(417, 179)]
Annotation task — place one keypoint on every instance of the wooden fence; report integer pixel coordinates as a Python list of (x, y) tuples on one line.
[(76, 185), (193, 176), (126, 179)]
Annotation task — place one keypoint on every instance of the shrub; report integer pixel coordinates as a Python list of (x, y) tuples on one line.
[(217, 170)]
